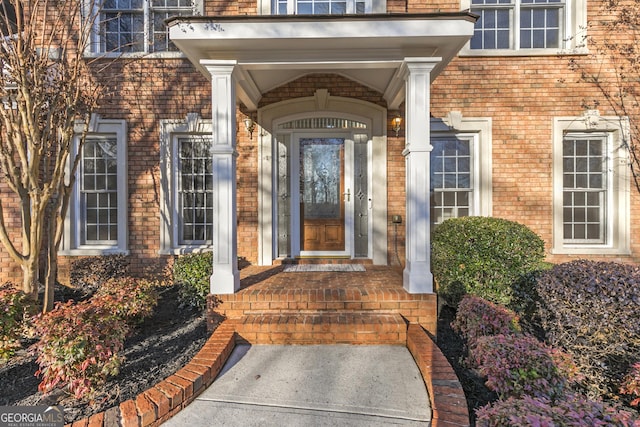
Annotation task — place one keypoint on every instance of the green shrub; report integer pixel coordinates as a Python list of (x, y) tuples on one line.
[(192, 273), (482, 256), (590, 309), (79, 346), (14, 307)]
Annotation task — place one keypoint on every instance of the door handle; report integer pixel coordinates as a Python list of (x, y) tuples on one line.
[(347, 195)]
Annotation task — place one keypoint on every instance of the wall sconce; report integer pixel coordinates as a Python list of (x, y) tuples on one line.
[(395, 124), (249, 125)]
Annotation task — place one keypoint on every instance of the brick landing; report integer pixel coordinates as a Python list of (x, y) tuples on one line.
[(308, 296), (274, 307)]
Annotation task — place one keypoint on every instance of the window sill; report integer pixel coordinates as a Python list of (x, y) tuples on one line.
[(93, 251), (137, 55), (466, 52), (183, 250), (593, 250)]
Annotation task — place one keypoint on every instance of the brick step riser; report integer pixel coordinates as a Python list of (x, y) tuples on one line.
[(308, 261), (323, 328)]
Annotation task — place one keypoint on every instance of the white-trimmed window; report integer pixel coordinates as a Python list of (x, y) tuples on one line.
[(137, 26), (591, 186), (321, 7), (460, 167), (96, 223), (187, 186), (529, 26)]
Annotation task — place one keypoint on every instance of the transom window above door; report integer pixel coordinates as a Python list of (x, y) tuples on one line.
[(322, 7)]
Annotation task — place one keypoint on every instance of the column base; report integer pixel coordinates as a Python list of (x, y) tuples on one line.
[(224, 282), (417, 278)]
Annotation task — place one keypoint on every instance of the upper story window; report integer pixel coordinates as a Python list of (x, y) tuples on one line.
[(518, 24), (532, 26), (137, 26), (322, 7)]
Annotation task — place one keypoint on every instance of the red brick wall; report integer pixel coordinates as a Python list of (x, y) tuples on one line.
[(521, 94)]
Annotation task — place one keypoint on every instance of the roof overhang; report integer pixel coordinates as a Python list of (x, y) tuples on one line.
[(370, 49)]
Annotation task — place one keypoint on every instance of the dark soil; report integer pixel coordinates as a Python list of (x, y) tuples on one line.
[(158, 347), (453, 348)]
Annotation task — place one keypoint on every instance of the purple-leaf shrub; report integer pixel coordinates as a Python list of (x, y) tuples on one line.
[(79, 347), (571, 411), (590, 309), (631, 384), (517, 365), (477, 317)]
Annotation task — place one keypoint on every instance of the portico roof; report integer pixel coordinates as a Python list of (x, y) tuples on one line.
[(370, 49)]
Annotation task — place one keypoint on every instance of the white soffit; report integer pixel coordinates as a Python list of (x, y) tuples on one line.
[(274, 50)]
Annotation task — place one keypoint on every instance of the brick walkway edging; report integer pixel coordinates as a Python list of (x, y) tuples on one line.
[(167, 398), (448, 403)]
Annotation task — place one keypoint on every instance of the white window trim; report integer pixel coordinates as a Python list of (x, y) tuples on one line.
[(94, 49), (479, 129), (573, 41), (618, 184), (170, 130), (71, 240), (265, 7)]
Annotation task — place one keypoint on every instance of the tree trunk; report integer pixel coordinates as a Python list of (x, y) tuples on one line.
[(30, 278)]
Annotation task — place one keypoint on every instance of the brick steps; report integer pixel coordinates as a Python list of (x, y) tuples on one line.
[(163, 400), (315, 327)]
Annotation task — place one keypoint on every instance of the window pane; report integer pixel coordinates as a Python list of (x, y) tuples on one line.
[(195, 192), (584, 190), (540, 24), (450, 172), (99, 190)]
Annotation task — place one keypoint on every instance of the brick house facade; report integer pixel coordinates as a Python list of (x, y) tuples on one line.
[(490, 128)]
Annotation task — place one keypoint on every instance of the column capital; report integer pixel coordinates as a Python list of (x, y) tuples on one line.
[(421, 65), (219, 66)]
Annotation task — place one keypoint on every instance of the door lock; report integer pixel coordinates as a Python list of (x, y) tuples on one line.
[(347, 195)]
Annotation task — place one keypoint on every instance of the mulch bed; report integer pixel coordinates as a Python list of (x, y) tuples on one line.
[(158, 347)]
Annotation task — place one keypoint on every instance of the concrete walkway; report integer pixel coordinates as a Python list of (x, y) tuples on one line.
[(314, 385)]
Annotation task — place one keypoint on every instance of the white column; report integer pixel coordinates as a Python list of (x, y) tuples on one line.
[(417, 276), (225, 278)]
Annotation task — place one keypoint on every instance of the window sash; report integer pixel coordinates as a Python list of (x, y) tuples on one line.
[(585, 189), (132, 26), (194, 190), (536, 24), (322, 7), (99, 192), (452, 178)]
